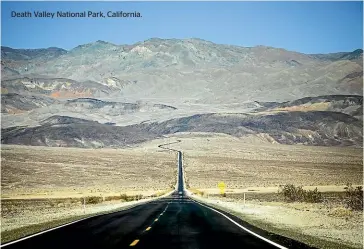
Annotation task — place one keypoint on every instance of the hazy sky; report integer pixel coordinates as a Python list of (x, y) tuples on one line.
[(309, 27)]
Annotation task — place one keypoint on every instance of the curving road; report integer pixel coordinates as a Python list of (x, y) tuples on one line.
[(172, 222)]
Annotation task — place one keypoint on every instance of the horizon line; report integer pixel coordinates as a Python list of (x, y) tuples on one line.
[(181, 39)]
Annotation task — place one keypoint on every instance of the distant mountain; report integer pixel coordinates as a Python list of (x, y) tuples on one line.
[(29, 54), (348, 104), (195, 69), (15, 103), (354, 55), (17, 61), (106, 95), (308, 128), (55, 87), (32, 110), (73, 132)]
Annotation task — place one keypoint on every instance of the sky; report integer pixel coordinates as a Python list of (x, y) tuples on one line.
[(307, 27)]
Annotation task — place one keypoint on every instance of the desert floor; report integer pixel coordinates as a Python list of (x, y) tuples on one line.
[(253, 163), (35, 172)]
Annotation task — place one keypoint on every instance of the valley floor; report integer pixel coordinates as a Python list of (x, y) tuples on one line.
[(33, 178), (53, 172), (250, 162)]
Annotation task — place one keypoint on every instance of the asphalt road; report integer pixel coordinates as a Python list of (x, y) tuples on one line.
[(172, 222)]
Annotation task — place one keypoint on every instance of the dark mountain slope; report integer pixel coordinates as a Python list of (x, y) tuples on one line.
[(309, 128), (15, 103)]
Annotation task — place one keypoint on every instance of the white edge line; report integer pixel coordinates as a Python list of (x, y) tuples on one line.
[(51, 229), (237, 224), (245, 229), (67, 224)]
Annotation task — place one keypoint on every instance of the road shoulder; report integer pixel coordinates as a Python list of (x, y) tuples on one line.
[(262, 221)]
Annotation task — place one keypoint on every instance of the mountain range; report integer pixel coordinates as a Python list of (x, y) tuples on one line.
[(151, 87)]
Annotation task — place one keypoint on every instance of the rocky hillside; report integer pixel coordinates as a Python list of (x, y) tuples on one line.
[(107, 95), (195, 69), (9, 54), (308, 128), (73, 132), (14, 103), (348, 104), (17, 61), (31, 110), (295, 122)]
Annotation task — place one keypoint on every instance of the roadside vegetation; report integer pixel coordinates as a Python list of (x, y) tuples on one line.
[(329, 219), (292, 193), (47, 213), (352, 198), (121, 197)]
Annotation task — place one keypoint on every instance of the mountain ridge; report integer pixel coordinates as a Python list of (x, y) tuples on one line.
[(334, 54), (157, 68), (126, 94)]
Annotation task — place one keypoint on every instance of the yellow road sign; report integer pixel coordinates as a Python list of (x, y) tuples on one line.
[(221, 186)]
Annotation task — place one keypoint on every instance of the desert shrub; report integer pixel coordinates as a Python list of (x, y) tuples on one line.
[(124, 197), (134, 197), (291, 193), (112, 198), (93, 199), (52, 203), (354, 197), (223, 195), (313, 196)]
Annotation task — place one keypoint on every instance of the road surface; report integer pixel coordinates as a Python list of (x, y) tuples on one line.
[(172, 222)]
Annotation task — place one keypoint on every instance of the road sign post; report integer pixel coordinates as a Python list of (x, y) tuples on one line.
[(84, 205)]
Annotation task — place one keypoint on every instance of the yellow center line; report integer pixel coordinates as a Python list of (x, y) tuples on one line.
[(148, 228), (156, 219), (134, 242)]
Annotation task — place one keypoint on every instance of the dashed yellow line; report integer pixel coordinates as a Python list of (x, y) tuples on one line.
[(147, 229), (134, 242)]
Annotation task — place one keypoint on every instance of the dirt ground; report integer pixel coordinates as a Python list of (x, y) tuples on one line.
[(33, 172), (243, 163)]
